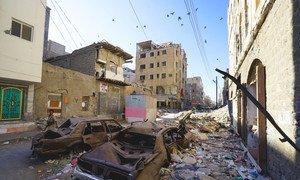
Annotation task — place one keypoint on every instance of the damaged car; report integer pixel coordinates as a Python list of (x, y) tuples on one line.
[(138, 152), (75, 135)]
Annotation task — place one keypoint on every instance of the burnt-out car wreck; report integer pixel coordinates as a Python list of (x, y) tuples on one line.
[(75, 135), (137, 152)]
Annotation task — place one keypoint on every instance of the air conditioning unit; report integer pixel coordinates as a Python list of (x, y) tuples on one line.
[(101, 61)]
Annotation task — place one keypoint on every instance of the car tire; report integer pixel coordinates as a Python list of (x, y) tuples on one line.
[(77, 149)]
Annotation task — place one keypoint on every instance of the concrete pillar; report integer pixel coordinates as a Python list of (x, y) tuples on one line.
[(28, 114)]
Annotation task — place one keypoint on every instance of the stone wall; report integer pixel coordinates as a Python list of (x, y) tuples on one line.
[(277, 47), (71, 85), (82, 60)]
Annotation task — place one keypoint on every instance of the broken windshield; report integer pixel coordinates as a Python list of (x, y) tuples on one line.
[(136, 139)]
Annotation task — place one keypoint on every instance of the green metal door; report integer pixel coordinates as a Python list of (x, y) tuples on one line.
[(11, 103)]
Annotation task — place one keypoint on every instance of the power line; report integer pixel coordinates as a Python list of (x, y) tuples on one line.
[(57, 27), (64, 24), (70, 22), (138, 20), (198, 37)]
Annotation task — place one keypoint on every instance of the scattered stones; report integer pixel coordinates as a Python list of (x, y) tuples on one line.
[(215, 151)]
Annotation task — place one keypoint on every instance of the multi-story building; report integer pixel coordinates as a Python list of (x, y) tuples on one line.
[(162, 67), (103, 61), (129, 75), (264, 53), (195, 91), (21, 51)]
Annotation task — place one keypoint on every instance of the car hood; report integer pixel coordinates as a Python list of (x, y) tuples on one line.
[(116, 155)]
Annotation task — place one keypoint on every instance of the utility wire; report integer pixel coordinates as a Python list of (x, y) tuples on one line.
[(57, 27), (64, 24), (138, 20), (198, 39), (70, 22), (200, 36)]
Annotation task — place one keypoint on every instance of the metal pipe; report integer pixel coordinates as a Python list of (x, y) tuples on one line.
[(261, 108)]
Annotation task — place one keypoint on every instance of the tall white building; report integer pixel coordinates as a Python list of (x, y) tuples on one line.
[(21, 50)]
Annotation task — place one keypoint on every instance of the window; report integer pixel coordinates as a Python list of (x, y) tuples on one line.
[(164, 63), (157, 53), (170, 75), (176, 64), (151, 54), (113, 126), (163, 75), (54, 103), (21, 30), (142, 77), (157, 76), (164, 52), (176, 53), (151, 76), (151, 65), (143, 66), (158, 64), (143, 55)]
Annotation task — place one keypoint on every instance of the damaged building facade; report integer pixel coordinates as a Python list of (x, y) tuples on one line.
[(87, 82), (264, 53), (163, 68), (195, 91), (21, 53)]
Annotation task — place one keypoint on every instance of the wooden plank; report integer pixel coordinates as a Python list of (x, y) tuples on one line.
[(257, 167), (261, 119), (239, 114), (244, 118)]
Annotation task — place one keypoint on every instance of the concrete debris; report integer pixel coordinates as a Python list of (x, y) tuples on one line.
[(5, 143), (214, 153)]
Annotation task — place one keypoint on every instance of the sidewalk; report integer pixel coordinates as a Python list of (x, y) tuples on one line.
[(18, 136)]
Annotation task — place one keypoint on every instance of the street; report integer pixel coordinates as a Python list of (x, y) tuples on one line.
[(17, 163)]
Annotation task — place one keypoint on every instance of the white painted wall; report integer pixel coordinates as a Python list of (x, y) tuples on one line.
[(21, 59)]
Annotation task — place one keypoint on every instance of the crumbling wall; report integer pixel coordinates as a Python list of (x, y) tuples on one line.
[(112, 102), (273, 46), (72, 85)]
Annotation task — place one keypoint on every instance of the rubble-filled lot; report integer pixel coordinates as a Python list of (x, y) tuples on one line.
[(215, 153)]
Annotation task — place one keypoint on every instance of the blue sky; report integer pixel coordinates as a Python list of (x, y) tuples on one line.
[(94, 21)]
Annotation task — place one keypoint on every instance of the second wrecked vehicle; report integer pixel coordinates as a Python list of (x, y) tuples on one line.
[(138, 152), (77, 135)]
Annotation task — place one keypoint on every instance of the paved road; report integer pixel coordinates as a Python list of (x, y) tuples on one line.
[(15, 163)]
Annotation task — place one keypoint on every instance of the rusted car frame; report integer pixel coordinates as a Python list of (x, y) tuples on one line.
[(138, 152), (76, 134)]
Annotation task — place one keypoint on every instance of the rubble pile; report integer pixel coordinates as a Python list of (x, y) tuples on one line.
[(215, 151), (220, 115)]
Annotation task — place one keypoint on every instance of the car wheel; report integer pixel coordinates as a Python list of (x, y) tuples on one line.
[(78, 148)]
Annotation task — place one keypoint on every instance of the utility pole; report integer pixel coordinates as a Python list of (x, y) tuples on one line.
[(216, 92)]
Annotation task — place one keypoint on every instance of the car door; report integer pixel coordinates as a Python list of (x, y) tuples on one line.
[(113, 128), (94, 134)]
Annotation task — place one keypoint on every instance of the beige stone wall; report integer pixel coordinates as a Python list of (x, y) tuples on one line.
[(70, 84), (273, 46), (110, 59)]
